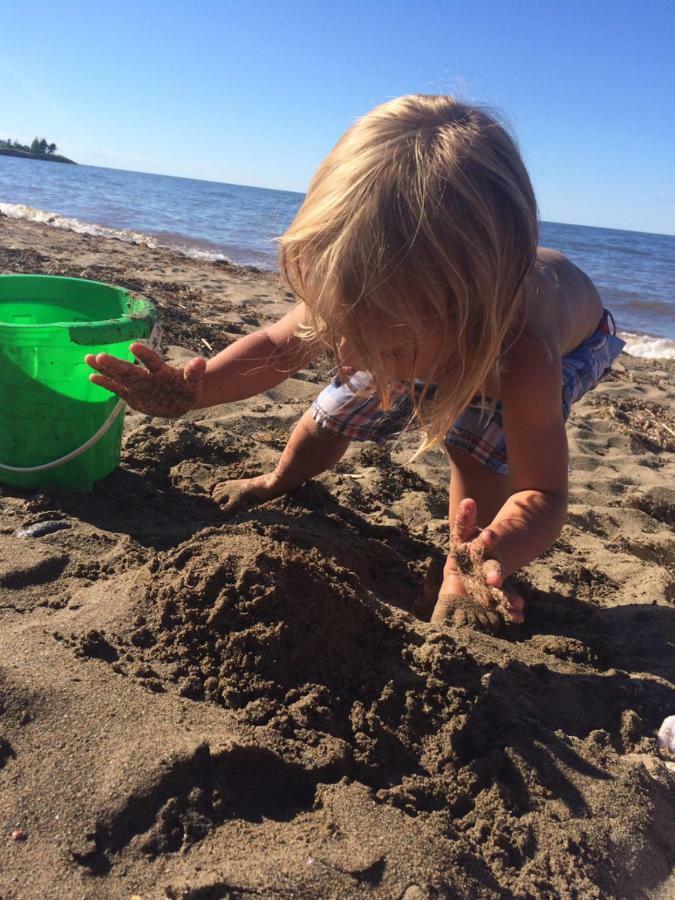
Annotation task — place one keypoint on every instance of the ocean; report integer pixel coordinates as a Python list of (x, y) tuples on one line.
[(633, 271)]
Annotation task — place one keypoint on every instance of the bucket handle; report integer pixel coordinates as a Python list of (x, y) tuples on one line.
[(153, 341)]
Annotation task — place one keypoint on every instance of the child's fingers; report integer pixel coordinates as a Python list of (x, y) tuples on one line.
[(151, 360), (484, 554), (460, 554), (110, 385), (118, 369), (492, 572), (488, 540), (466, 521), (194, 370), (121, 370), (510, 604)]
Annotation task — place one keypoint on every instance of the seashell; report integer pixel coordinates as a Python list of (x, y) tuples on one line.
[(41, 528), (666, 736)]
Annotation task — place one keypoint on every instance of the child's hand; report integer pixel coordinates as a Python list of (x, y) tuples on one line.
[(153, 388), (473, 591)]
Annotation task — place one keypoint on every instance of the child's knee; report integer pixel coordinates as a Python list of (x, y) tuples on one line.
[(465, 462)]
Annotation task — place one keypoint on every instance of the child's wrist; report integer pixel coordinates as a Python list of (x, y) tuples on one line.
[(197, 402)]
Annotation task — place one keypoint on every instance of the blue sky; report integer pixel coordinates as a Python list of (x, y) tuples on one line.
[(253, 92)]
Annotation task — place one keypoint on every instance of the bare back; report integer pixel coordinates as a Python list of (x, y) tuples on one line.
[(565, 308)]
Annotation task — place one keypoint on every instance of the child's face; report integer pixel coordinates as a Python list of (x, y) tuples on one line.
[(394, 342)]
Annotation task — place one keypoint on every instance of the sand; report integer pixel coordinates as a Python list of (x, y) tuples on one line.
[(195, 705)]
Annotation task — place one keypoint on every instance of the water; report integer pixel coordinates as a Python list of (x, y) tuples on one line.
[(634, 272), (205, 219), (635, 275)]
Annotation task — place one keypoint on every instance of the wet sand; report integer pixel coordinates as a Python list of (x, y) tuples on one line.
[(195, 705)]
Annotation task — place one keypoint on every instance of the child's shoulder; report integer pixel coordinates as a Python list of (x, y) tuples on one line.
[(563, 306), (563, 309)]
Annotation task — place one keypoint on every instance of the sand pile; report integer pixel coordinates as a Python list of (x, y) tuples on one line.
[(514, 758)]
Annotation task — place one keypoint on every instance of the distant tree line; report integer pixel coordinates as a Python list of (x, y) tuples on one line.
[(39, 146)]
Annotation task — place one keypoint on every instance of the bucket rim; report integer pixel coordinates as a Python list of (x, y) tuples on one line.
[(140, 309)]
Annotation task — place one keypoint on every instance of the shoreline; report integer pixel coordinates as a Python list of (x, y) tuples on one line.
[(257, 704), (645, 345)]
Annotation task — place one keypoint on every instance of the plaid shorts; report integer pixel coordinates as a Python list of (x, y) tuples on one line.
[(352, 408)]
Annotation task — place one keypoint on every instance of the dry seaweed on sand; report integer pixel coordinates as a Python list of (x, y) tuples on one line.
[(651, 423)]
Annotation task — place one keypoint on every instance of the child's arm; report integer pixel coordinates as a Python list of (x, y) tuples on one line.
[(250, 365), (531, 518), (536, 442), (257, 362)]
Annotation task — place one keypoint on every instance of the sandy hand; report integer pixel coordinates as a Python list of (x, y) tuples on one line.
[(153, 388), (473, 592)]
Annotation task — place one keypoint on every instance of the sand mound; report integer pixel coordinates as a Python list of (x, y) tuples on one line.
[(513, 755)]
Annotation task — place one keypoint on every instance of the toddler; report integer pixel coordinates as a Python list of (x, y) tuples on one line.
[(414, 259)]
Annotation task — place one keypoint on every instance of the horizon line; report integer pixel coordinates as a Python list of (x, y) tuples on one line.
[(303, 193)]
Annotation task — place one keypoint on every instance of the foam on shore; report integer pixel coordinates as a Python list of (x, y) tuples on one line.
[(56, 220), (647, 346), (644, 345)]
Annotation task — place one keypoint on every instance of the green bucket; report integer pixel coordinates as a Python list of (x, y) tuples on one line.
[(56, 427)]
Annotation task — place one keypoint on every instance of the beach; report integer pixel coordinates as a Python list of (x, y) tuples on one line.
[(200, 705)]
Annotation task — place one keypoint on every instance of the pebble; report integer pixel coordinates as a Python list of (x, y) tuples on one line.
[(19, 834), (414, 892), (40, 528), (667, 736)]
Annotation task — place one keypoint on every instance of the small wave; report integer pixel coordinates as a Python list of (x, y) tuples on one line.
[(21, 211), (209, 255), (195, 252), (647, 347)]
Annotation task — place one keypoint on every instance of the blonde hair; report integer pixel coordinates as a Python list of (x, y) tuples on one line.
[(423, 214)]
